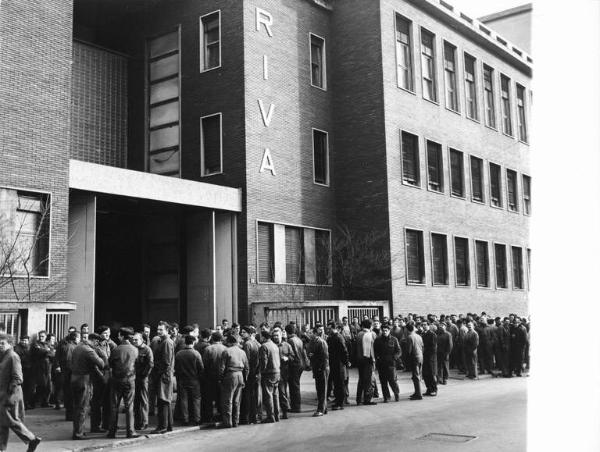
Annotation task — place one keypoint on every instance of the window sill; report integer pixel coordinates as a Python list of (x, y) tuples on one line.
[(457, 286), (475, 120), (203, 71), (483, 287), (416, 284), (321, 88), (440, 285), (491, 128), (480, 202), (463, 197), (456, 112), (526, 143), (406, 90), (407, 184), (321, 184), (496, 207), (501, 288), (513, 211), (508, 135), (263, 283), (21, 277), (434, 102), (438, 192), (212, 174)]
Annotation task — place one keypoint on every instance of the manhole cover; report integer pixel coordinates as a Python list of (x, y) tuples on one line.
[(447, 437)]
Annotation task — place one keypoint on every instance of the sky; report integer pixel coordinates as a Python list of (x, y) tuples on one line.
[(478, 8)]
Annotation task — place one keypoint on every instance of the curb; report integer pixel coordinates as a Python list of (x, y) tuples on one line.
[(128, 442)]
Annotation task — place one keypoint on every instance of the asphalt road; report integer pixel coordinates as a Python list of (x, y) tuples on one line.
[(490, 414)]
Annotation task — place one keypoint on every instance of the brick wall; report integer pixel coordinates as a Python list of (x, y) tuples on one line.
[(35, 70)]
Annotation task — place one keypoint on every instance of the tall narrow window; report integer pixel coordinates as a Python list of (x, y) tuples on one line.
[(404, 53), (450, 76), (461, 256), (457, 173), (517, 264), (294, 255), (410, 159), (162, 64), (435, 167), (323, 258), (415, 260), (321, 157), (471, 88), (526, 194), (500, 260), (477, 179), (428, 65), (317, 62), (495, 185), (521, 114), (210, 41), (266, 261), (211, 146), (483, 263), (513, 191), (506, 110), (488, 96), (529, 267), (439, 256)]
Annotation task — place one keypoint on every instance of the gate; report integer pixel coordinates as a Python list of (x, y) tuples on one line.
[(360, 311), (301, 316)]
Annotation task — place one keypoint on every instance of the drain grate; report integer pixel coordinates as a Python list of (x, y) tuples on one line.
[(447, 437)]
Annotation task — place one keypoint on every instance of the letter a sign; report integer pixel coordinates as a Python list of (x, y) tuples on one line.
[(267, 162)]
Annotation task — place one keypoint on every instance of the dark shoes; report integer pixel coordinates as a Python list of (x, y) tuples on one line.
[(33, 444), (158, 431), (284, 416), (98, 430), (416, 397), (317, 414), (397, 397), (337, 407), (78, 437), (133, 435), (268, 420), (112, 435), (370, 403)]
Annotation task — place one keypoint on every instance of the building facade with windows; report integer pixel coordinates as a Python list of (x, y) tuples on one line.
[(260, 160)]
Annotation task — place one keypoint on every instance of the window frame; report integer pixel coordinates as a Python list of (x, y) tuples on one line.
[(526, 200), (323, 61), (489, 275), (442, 189), (409, 46), (516, 189), (475, 118), (433, 283), (454, 76), (417, 184), (506, 272), (327, 176), (512, 267), (468, 268), (471, 158), (202, 150), (48, 195), (203, 65), (523, 108), (272, 228), (506, 106), (463, 183), (432, 59), (422, 271), (500, 189), (492, 96)]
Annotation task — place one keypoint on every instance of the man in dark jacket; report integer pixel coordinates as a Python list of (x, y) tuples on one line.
[(518, 342), (188, 370), (64, 353), (414, 350), (286, 356), (23, 349), (232, 375), (87, 359), (387, 354), (161, 378), (212, 366), (485, 348), (470, 344), (100, 410), (41, 366), (429, 359), (444, 349), (339, 361), (270, 367), (365, 358), (143, 365), (318, 354), (250, 404), (297, 366), (122, 382), (501, 346)]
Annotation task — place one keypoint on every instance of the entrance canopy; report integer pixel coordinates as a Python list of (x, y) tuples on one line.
[(96, 178)]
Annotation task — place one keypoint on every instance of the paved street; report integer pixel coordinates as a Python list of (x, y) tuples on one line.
[(492, 410)]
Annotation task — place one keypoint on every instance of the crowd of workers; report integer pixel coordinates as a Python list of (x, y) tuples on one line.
[(233, 375)]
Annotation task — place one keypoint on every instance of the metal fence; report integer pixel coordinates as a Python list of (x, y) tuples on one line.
[(9, 322), (360, 311), (57, 322), (301, 316)]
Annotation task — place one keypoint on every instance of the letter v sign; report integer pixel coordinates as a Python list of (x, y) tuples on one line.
[(269, 115)]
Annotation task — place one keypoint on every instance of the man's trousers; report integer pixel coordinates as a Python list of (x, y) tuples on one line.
[(81, 388), (140, 403), (388, 379), (269, 384), (364, 389), (189, 396), (231, 395), (121, 390)]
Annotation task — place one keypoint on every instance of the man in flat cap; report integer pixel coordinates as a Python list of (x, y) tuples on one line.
[(339, 361), (212, 366), (122, 382), (250, 403), (189, 368), (232, 375), (318, 353), (297, 366), (414, 349)]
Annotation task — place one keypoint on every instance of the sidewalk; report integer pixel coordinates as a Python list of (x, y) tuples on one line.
[(49, 424)]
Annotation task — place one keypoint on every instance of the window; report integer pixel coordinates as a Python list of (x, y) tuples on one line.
[(461, 256), (415, 261), (505, 95), (513, 193), (517, 264), (500, 259), (488, 96), (471, 88), (210, 44), (211, 144), (294, 255), (483, 263), (24, 233), (320, 157), (266, 259), (439, 256), (162, 64), (428, 65), (450, 76), (317, 62), (410, 159), (477, 179), (323, 257), (457, 173), (526, 194), (495, 185), (435, 167), (404, 53), (529, 266), (521, 115)]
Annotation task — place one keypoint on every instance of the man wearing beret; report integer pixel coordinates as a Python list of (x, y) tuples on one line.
[(122, 382), (143, 365), (365, 358), (339, 361), (297, 366), (470, 344), (444, 349)]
